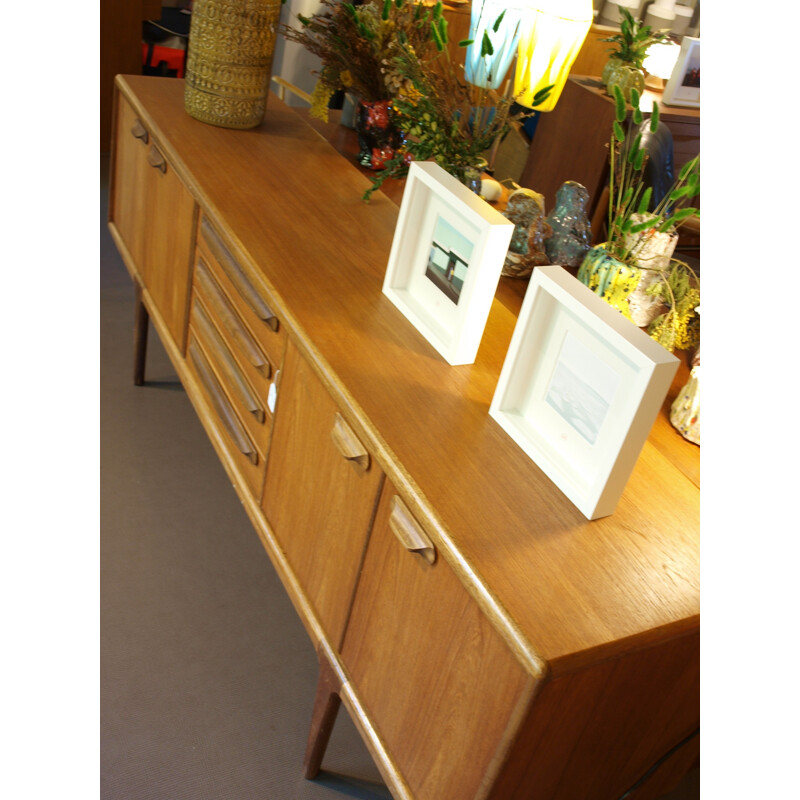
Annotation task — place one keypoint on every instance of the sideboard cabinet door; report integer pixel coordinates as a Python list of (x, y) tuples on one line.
[(320, 494), (154, 215), (435, 678)]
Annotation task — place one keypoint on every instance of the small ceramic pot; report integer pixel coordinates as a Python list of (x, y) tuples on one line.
[(610, 278), (685, 410), (650, 251)]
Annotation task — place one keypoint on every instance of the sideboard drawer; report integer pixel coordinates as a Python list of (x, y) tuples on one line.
[(249, 400), (258, 315), (261, 369), (239, 443)]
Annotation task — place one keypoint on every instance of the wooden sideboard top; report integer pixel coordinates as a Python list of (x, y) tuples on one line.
[(568, 589)]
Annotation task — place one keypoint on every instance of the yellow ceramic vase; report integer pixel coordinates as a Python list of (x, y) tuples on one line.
[(231, 43)]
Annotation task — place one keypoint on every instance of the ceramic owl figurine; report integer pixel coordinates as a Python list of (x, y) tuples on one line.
[(525, 208), (572, 233)]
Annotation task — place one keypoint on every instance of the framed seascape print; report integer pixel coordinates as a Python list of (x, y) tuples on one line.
[(683, 86), (580, 388), (447, 254)]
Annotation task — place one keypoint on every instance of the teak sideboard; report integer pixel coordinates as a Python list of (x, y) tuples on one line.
[(487, 640)]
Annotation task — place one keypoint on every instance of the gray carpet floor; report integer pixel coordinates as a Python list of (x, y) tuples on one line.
[(207, 675)]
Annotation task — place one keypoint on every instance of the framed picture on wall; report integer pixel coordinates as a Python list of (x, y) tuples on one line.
[(683, 86), (580, 388), (447, 254)]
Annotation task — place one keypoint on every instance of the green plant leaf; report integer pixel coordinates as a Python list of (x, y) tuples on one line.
[(642, 226), (486, 46), (542, 95), (619, 134), (635, 97), (387, 7), (443, 30), (619, 103), (638, 117), (627, 197), (437, 38), (654, 118), (681, 191), (639, 160), (634, 148), (499, 20), (465, 42), (688, 167), (644, 201), (684, 213)]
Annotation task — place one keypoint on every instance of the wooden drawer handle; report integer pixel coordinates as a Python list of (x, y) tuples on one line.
[(409, 532), (348, 444), (140, 132), (237, 276), (238, 383), (155, 159), (217, 300), (221, 404)]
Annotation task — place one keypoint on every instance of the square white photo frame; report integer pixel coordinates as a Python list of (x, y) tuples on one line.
[(683, 86), (447, 254), (580, 388)]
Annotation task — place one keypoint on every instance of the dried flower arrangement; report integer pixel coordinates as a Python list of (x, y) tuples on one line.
[(358, 45), (443, 117)]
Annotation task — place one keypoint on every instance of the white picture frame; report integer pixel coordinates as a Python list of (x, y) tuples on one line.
[(447, 254), (580, 388), (683, 86)]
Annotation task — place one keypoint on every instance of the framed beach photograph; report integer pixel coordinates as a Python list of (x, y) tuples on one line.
[(683, 86), (447, 254), (580, 389)]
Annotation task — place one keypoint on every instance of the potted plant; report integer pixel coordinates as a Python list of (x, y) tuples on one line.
[(624, 67), (357, 46), (634, 270)]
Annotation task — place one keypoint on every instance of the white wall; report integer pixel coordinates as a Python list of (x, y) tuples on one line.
[(292, 61)]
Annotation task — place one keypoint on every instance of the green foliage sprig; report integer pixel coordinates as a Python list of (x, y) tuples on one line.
[(633, 40)]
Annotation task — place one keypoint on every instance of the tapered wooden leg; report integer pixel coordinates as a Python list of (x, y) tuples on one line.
[(140, 326), (326, 705)]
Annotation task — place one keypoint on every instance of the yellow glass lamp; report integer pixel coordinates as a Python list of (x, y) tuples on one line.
[(552, 34)]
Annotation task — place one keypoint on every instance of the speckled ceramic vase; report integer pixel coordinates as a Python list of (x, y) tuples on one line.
[(610, 278), (231, 43), (685, 410), (651, 251)]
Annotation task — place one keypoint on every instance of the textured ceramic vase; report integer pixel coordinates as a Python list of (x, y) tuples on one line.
[(572, 230), (231, 43), (651, 251), (525, 208), (610, 278), (378, 136)]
